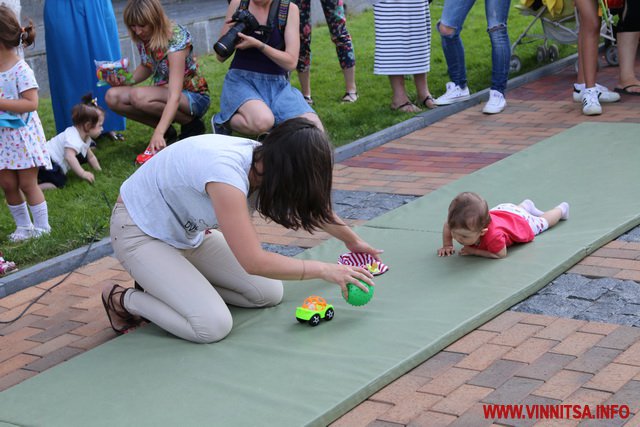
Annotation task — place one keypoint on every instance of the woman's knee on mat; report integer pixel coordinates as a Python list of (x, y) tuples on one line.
[(211, 327), (269, 294)]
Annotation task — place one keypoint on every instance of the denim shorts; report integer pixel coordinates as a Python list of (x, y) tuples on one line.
[(274, 90), (198, 102)]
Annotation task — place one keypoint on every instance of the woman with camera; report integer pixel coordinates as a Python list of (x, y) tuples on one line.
[(256, 94), (179, 91)]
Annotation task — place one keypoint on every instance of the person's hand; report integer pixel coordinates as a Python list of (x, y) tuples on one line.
[(360, 246), (88, 176), (343, 274), (466, 250), (115, 80), (98, 168), (446, 250), (157, 143), (247, 42)]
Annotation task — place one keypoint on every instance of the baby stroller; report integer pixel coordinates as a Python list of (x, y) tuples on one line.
[(559, 21)]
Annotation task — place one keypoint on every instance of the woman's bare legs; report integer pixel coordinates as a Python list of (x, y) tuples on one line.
[(145, 104), (627, 51), (399, 99)]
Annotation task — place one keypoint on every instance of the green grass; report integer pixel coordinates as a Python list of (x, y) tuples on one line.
[(80, 211)]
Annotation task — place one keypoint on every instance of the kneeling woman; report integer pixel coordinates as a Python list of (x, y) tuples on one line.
[(256, 94), (211, 181)]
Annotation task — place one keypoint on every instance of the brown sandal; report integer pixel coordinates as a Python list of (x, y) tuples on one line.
[(123, 314), (429, 102)]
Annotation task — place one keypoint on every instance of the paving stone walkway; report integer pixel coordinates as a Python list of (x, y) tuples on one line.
[(530, 355)]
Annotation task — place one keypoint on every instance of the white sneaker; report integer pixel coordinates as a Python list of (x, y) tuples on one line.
[(604, 95), (590, 104), (453, 94), (39, 232), (21, 233), (495, 104)]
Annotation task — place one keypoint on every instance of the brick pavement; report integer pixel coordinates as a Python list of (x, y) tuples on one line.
[(516, 357)]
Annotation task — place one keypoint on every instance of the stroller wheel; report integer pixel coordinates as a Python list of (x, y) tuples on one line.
[(611, 55), (515, 65), (554, 53), (541, 54)]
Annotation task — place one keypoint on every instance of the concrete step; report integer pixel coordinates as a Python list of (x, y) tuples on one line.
[(203, 18)]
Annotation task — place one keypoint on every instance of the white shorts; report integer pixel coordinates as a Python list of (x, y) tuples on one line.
[(537, 224)]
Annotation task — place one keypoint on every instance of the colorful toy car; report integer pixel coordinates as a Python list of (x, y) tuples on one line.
[(313, 310), (144, 157)]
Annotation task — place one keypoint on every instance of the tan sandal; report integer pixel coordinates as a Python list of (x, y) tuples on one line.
[(407, 107)]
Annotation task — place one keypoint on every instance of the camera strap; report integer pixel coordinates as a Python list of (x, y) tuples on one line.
[(279, 10)]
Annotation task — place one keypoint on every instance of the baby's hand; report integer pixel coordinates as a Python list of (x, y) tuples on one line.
[(466, 250), (88, 176), (446, 251)]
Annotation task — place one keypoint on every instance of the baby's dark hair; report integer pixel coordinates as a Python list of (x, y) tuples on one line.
[(86, 113), (11, 33), (468, 211)]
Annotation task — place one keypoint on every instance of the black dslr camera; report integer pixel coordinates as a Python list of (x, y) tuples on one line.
[(245, 23)]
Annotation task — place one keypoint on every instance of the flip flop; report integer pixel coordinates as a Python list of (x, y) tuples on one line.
[(349, 97), (407, 107), (625, 90), (429, 102)]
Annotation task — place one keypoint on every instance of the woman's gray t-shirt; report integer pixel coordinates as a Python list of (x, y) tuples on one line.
[(167, 198)]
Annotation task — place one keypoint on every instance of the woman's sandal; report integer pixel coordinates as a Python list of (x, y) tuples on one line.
[(429, 102), (407, 107), (308, 99), (349, 97), (132, 321)]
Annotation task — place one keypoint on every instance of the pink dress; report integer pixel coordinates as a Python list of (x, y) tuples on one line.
[(24, 147)]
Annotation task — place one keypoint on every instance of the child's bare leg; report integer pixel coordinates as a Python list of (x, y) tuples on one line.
[(47, 186), (556, 214)]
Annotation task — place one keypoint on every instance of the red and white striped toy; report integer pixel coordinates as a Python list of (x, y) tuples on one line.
[(363, 260)]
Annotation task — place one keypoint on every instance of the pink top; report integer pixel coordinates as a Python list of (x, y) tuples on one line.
[(504, 230)]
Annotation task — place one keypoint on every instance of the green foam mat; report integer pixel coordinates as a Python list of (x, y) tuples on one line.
[(271, 370)]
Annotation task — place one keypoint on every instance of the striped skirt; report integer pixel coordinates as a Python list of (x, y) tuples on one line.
[(403, 37)]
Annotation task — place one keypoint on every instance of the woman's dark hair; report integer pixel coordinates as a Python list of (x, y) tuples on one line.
[(11, 33), (296, 178), (468, 211), (86, 113)]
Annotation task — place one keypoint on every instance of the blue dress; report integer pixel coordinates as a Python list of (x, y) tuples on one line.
[(77, 32)]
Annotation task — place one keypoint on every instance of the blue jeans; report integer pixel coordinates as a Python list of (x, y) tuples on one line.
[(454, 14)]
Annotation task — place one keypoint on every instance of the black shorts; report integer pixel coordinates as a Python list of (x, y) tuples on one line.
[(629, 17), (53, 176)]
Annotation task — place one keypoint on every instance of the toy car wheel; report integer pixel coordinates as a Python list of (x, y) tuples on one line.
[(300, 320), (329, 314), (315, 320)]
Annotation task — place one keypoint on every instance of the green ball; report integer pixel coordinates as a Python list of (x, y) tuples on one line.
[(357, 296)]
